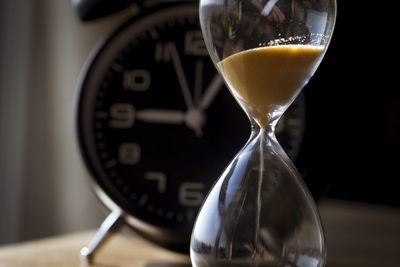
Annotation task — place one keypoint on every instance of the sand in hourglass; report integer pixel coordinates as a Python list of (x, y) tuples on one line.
[(264, 80), (267, 78)]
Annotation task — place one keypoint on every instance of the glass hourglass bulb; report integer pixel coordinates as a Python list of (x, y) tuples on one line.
[(259, 212)]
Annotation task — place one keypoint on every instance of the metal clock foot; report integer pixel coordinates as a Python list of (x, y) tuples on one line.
[(110, 225)]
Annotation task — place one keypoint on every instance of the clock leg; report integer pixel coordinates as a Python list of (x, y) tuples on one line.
[(110, 225)]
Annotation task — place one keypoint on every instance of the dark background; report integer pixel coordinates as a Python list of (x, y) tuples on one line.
[(354, 104)]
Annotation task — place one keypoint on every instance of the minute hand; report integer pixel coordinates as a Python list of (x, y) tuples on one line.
[(181, 74), (210, 92)]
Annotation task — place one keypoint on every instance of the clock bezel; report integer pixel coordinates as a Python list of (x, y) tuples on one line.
[(175, 239)]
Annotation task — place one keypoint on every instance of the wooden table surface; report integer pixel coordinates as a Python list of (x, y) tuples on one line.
[(64, 250), (357, 236)]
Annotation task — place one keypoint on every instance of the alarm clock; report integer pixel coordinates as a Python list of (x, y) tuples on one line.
[(156, 125)]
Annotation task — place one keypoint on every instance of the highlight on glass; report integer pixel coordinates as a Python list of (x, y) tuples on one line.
[(260, 212)]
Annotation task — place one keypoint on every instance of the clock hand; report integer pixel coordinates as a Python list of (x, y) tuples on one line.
[(161, 116), (198, 81), (210, 92), (171, 48), (194, 118)]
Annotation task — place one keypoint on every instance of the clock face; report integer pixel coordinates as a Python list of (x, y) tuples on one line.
[(156, 124)]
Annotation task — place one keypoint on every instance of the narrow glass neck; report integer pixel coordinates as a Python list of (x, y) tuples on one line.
[(268, 131)]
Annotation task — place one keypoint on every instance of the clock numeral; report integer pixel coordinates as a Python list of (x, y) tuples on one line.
[(160, 178), (162, 51), (191, 194), (136, 80), (122, 115), (194, 44), (129, 153)]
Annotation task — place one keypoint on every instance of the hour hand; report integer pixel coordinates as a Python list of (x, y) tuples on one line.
[(194, 118), (211, 91), (163, 116)]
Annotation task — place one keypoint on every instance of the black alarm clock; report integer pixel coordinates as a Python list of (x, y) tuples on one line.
[(156, 125)]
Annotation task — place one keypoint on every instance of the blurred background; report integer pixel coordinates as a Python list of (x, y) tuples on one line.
[(44, 187)]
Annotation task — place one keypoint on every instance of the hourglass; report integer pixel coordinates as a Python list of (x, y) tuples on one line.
[(259, 212)]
